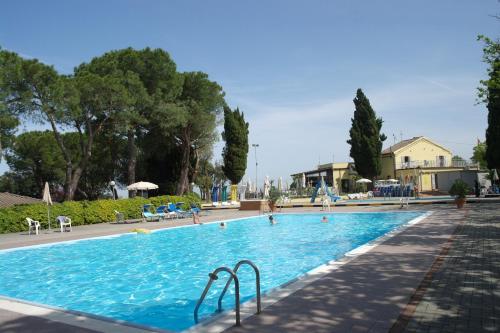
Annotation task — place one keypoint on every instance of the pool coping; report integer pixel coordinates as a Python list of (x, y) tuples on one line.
[(216, 323)]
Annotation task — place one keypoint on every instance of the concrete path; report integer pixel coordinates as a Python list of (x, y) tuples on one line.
[(368, 293)]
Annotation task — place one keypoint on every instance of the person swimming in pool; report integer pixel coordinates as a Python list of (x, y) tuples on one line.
[(222, 225), (272, 220), (324, 219)]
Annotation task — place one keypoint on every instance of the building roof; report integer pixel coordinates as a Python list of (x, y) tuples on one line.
[(328, 166), (400, 144), (9, 199)]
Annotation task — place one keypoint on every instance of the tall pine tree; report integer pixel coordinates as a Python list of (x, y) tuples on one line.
[(366, 139), (489, 93), (493, 130), (236, 150)]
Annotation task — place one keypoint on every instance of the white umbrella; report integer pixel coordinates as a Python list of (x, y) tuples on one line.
[(249, 185), (267, 185), (46, 198), (363, 181), (303, 180), (280, 184), (495, 175), (142, 186), (392, 180)]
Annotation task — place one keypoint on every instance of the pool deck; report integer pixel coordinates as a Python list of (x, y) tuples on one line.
[(395, 287)]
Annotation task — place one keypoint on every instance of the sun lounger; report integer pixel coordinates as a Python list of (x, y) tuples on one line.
[(147, 215), (163, 212), (180, 213)]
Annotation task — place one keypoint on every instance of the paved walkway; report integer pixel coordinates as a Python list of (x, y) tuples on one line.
[(463, 292)]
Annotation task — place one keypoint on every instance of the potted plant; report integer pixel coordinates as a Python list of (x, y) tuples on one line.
[(459, 189), (274, 196)]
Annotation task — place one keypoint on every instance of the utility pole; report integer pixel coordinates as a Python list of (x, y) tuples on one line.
[(255, 145)]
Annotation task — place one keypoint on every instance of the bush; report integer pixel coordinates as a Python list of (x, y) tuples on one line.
[(13, 219)]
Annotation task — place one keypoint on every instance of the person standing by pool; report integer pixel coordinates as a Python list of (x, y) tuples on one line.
[(196, 218)]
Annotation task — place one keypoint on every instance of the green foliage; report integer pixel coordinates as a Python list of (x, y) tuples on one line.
[(200, 105), (168, 119), (151, 77), (491, 56), (236, 150), (489, 93), (479, 155), (365, 138), (459, 189), (493, 129), (13, 219), (34, 159)]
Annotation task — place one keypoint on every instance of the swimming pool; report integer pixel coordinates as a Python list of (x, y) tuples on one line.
[(156, 279)]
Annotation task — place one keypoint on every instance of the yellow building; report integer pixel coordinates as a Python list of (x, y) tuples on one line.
[(418, 161), (340, 176)]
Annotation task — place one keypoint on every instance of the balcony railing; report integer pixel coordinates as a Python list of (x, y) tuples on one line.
[(437, 164)]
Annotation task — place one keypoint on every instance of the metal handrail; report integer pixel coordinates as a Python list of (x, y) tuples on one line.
[(213, 276), (257, 283)]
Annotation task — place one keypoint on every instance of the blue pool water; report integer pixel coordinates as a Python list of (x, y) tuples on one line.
[(156, 279)]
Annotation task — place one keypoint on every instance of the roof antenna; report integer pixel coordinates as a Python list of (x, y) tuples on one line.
[(394, 137), (401, 135)]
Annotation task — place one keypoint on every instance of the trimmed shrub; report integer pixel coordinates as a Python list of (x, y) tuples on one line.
[(13, 219)]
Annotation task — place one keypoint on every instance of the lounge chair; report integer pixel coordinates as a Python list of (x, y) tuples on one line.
[(147, 215), (180, 213), (33, 225), (163, 212), (64, 223)]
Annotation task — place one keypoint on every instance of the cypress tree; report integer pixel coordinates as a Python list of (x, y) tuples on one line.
[(493, 105), (236, 150), (366, 139)]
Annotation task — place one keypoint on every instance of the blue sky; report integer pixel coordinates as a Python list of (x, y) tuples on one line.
[(293, 67)]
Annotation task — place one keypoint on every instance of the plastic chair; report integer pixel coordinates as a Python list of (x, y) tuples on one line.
[(64, 223), (33, 225)]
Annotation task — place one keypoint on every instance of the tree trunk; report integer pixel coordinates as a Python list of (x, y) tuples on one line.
[(132, 160), (68, 195), (183, 183), (195, 168)]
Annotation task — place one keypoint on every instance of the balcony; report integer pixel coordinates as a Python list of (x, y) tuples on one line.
[(437, 164)]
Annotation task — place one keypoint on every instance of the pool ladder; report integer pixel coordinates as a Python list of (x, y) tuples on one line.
[(233, 276)]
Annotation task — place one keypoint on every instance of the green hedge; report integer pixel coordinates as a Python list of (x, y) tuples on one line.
[(13, 219)]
